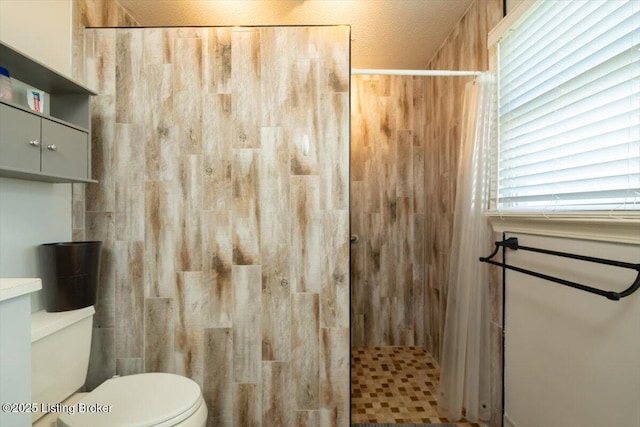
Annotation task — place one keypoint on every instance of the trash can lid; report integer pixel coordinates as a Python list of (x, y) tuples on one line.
[(89, 242)]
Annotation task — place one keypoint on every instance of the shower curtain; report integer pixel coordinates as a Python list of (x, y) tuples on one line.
[(464, 377)]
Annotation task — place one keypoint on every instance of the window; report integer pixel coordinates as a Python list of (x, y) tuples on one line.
[(569, 108)]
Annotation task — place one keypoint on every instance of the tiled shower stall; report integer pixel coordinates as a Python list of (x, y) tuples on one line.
[(181, 202), (405, 148)]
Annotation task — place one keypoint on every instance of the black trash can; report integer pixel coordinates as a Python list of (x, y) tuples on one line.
[(69, 274)]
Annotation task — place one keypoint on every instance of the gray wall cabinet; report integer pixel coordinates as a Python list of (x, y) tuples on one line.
[(54, 147)]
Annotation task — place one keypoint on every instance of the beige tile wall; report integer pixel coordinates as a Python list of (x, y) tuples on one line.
[(225, 253), (90, 13), (406, 130), (387, 211), (98, 13)]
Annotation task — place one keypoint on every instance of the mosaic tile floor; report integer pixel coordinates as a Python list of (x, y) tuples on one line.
[(395, 385)]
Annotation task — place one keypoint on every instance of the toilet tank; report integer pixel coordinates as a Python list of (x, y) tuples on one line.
[(60, 346)]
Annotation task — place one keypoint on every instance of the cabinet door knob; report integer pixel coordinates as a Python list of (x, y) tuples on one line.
[(34, 143), (52, 147)]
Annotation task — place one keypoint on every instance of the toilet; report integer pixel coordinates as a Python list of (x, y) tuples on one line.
[(60, 346)]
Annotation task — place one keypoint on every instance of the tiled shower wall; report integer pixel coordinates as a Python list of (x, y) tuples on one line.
[(405, 143), (90, 13), (387, 211), (222, 156), (94, 13)]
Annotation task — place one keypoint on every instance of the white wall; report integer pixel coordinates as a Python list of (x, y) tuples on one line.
[(40, 29), (32, 213), (572, 359)]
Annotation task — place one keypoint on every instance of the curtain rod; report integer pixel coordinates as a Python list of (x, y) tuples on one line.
[(358, 71)]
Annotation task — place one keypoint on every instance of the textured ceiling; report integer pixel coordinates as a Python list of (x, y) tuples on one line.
[(396, 34)]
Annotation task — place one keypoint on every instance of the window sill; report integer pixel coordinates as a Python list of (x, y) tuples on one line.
[(600, 227)]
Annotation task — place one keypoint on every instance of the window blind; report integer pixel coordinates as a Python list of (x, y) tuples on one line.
[(569, 108)]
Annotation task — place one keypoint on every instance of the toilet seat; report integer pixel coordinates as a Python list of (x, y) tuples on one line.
[(141, 400)]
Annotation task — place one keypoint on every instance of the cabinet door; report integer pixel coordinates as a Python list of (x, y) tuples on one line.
[(19, 139), (64, 150)]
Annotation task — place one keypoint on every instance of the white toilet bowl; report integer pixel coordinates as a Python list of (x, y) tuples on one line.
[(144, 400)]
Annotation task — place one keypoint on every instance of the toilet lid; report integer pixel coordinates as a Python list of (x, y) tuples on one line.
[(141, 400)]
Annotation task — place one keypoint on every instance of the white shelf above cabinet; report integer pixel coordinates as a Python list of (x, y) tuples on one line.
[(35, 73)]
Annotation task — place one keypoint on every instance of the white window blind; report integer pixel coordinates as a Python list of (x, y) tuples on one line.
[(569, 108)]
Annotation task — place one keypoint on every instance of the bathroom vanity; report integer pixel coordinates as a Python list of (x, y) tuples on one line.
[(15, 348)]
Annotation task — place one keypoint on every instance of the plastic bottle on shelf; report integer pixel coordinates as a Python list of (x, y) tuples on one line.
[(5, 84)]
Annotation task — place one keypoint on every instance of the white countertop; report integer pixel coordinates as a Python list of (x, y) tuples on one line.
[(12, 288)]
